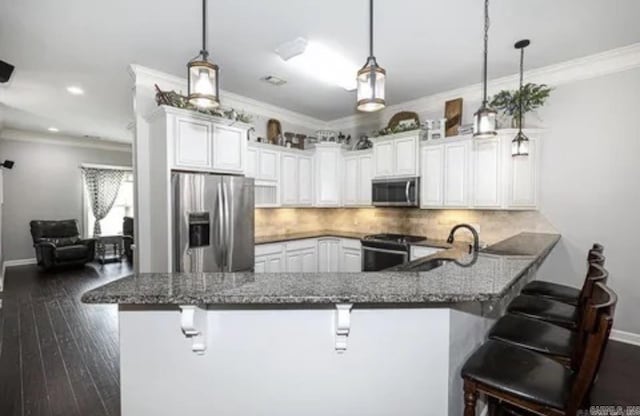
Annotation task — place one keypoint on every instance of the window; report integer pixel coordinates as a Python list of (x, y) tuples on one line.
[(122, 207)]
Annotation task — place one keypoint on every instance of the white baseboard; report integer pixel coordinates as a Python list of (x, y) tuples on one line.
[(19, 262), (626, 337)]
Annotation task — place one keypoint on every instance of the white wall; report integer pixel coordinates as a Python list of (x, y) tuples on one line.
[(45, 183), (590, 183)]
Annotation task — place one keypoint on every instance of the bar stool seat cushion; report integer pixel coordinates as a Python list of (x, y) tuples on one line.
[(551, 290), (520, 372), (534, 335), (545, 310)]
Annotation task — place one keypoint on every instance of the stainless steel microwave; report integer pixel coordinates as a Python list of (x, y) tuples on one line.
[(396, 192)]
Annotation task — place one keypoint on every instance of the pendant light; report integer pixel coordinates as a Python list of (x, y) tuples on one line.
[(484, 120), (520, 143), (371, 78), (202, 74)]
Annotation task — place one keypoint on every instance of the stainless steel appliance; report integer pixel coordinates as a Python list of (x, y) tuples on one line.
[(382, 251), (396, 192), (213, 222)]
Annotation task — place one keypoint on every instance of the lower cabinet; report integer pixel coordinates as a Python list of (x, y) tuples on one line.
[(326, 255)]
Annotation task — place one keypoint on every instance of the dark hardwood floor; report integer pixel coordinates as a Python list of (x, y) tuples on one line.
[(60, 357)]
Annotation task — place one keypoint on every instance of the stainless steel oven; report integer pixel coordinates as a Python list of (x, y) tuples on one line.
[(382, 251), (396, 192)]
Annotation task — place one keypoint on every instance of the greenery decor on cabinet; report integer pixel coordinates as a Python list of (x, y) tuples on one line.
[(533, 97)]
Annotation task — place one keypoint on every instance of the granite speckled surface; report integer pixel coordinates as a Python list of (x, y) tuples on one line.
[(489, 278)]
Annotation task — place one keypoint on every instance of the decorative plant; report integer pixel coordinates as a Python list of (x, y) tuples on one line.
[(533, 97), (399, 128)]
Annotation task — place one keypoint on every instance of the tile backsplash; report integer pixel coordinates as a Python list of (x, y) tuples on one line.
[(493, 226)]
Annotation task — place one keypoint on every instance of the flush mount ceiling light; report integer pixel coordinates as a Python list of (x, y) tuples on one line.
[(520, 143), (484, 120), (75, 90), (319, 61), (202, 74), (371, 78), (53, 129)]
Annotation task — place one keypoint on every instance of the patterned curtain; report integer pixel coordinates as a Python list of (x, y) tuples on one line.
[(103, 186)]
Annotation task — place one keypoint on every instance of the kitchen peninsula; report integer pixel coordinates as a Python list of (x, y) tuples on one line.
[(313, 343)]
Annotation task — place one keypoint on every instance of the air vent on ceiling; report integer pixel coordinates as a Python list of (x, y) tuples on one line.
[(273, 80)]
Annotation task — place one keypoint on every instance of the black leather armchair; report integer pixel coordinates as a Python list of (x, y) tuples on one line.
[(127, 237), (58, 243)]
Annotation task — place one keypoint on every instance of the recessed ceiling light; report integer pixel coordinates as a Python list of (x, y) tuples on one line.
[(75, 90), (320, 62), (53, 129)]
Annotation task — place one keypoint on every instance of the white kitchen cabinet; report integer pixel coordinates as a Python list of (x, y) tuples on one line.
[(422, 251), (357, 178), (193, 144), (229, 149), (328, 174), (296, 179), (328, 255), (486, 161), (251, 167), (396, 155), (350, 256), (522, 183), (432, 176), (456, 174), (269, 258), (305, 180), (301, 256)]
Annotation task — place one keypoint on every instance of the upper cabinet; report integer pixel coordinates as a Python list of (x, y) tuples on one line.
[(328, 162), (358, 172), (198, 142), (479, 173), (263, 164), (296, 179), (396, 155)]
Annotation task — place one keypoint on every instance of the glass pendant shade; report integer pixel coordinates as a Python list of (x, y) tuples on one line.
[(520, 145), (485, 122), (371, 79), (203, 84)]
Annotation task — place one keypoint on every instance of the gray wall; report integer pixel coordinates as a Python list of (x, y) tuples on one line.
[(590, 183), (45, 183)]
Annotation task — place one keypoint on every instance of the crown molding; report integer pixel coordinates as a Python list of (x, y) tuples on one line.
[(147, 77), (43, 138), (579, 69)]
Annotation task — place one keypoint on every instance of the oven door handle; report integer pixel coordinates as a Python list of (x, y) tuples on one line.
[(406, 191)]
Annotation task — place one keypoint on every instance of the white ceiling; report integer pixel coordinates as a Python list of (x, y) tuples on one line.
[(425, 46)]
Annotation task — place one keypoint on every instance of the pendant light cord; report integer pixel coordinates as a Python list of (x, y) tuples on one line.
[(204, 52), (486, 51), (370, 28), (521, 81)]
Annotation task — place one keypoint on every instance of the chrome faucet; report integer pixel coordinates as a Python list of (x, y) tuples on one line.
[(476, 239)]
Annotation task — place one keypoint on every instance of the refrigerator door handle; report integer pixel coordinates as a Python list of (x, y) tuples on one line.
[(227, 229), (220, 243)]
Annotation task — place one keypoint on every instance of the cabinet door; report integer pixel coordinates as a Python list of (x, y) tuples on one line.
[(364, 179), (192, 144), (251, 169), (275, 264), (383, 159), (268, 165), (229, 144), (456, 174), (405, 156), (351, 261), (328, 177), (351, 181), (432, 176), (289, 181), (523, 182), (487, 173), (260, 264), (294, 261), (309, 261), (305, 180), (328, 255)]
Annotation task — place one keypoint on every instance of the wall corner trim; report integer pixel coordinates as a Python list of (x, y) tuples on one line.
[(626, 337)]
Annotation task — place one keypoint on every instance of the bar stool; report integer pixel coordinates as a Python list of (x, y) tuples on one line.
[(561, 344), (559, 292), (556, 312), (517, 378)]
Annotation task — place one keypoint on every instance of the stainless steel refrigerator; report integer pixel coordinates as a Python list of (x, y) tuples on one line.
[(213, 222)]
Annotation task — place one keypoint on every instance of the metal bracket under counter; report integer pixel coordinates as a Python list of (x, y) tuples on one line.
[(193, 323), (342, 325)]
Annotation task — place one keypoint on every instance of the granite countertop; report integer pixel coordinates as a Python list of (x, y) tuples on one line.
[(489, 278)]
